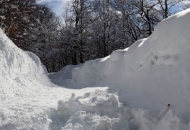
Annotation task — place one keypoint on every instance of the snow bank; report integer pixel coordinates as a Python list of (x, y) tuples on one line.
[(22, 80), (18, 69), (77, 115), (150, 74), (29, 101), (151, 79)]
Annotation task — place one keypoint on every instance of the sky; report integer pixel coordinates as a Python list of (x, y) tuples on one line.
[(57, 5)]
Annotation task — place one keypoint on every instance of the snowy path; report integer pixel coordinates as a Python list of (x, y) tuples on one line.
[(32, 110), (30, 101), (151, 79), (82, 109)]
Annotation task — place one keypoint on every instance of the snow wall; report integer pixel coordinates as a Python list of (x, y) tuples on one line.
[(20, 71), (30, 101), (150, 74)]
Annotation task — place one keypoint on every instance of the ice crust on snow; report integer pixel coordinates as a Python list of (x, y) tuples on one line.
[(140, 82), (150, 74)]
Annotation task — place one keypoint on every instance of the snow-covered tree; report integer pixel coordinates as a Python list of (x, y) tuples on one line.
[(32, 27)]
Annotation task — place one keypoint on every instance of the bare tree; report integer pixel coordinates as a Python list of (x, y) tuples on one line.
[(166, 5)]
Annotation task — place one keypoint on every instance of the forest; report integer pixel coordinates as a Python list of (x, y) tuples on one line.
[(88, 29)]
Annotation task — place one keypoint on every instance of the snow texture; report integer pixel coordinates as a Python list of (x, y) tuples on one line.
[(28, 100), (144, 87), (150, 74)]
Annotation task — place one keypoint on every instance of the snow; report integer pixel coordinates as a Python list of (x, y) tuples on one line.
[(28, 99), (143, 87), (2, 17), (150, 74)]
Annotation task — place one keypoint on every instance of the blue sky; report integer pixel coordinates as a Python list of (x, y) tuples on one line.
[(57, 5)]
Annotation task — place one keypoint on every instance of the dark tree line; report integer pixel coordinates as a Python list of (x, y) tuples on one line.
[(30, 26), (91, 28)]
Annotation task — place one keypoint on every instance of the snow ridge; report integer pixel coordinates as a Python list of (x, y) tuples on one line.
[(148, 86), (150, 74), (18, 68)]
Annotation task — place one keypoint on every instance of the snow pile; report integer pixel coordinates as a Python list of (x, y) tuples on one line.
[(148, 86), (93, 103), (18, 69), (22, 79), (151, 73), (62, 78), (103, 116), (28, 100)]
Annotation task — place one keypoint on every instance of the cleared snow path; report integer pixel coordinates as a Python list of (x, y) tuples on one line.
[(150, 79), (28, 99)]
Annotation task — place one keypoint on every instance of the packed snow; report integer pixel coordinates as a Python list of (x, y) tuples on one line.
[(29, 100), (143, 87)]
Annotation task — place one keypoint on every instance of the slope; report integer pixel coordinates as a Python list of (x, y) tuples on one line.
[(28, 100), (150, 74)]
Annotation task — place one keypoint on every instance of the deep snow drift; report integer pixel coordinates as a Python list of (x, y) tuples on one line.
[(150, 74), (29, 101), (151, 79)]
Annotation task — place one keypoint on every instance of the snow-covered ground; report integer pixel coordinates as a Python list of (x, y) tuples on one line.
[(144, 87), (29, 100)]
